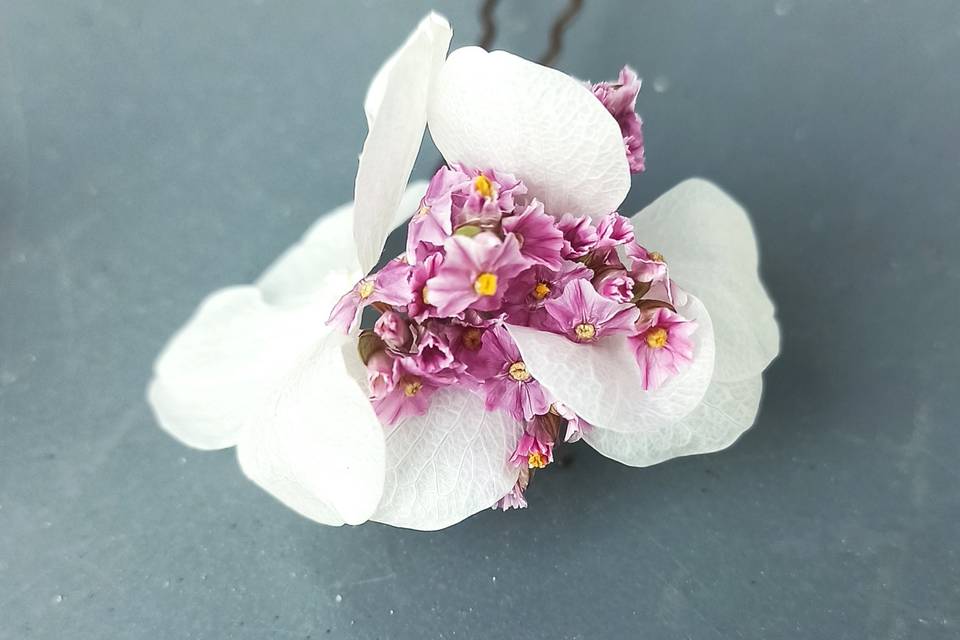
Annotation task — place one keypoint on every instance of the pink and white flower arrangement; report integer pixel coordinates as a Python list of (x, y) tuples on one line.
[(524, 312)]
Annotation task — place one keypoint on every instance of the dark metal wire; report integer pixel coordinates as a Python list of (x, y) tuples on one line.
[(554, 47), (557, 31), (489, 23)]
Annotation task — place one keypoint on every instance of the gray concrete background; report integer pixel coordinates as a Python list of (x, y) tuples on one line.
[(153, 151)]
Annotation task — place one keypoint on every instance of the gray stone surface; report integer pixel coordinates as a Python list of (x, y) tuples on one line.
[(153, 151)]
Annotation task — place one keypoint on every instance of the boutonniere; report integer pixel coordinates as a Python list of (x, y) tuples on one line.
[(524, 311)]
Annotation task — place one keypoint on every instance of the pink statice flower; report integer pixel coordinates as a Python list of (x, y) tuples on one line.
[(475, 273), (432, 224), (662, 346), (514, 499), (408, 396), (465, 342), (488, 195), (390, 285), (507, 383), (615, 284), (458, 196), (579, 235), (646, 266), (613, 230), (583, 315), (620, 99), (434, 357), (575, 424), (527, 294), (418, 307), (380, 374), (540, 240), (533, 451), (394, 330)]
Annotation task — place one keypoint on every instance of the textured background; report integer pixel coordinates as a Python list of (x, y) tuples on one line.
[(153, 151)]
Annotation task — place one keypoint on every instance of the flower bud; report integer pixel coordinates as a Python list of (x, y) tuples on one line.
[(394, 331), (615, 284)]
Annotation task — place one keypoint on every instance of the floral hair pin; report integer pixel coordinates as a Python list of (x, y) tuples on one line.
[(524, 311)]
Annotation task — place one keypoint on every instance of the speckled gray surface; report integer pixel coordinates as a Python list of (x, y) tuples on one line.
[(153, 151)]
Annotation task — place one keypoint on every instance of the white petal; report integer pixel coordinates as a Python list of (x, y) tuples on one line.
[(371, 103), (317, 445), (448, 464), (325, 256), (432, 24), (727, 410), (601, 382), (395, 134), (217, 369), (500, 111), (409, 203), (711, 249)]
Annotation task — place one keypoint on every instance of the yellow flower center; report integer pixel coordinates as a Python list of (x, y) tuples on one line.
[(472, 338), (656, 256), (422, 211), (423, 295), (483, 186), (518, 371), (536, 460), (366, 289), (585, 331), (541, 291), (657, 338), (485, 284), (411, 387)]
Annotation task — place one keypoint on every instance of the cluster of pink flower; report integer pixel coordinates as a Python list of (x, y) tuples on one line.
[(482, 253)]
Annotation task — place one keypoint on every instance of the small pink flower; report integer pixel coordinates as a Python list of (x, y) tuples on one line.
[(532, 452), (465, 341), (575, 424), (579, 235), (513, 500), (434, 357), (662, 347), (489, 195), (620, 99), (615, 284), (475, 273), (583, 315), (394, 330), (380, 374), (646, 266), (418, 307), (390, 285), (613, 230), (530, 290), (432, 223), (507, 383), (408, 396), (540, 240)]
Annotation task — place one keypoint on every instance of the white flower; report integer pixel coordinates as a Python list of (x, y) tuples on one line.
[(256, 367)]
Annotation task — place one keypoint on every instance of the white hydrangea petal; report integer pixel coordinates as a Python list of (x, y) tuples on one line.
[(501, 111), (447, 465), (711, 249), (727, 410), (395, 134), (326, 256), (217, 368), (601, 382), (317, 445)]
